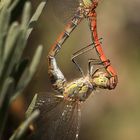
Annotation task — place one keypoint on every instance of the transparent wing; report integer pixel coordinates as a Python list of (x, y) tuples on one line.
[(65, 9), (59, 119), (47, 101), (68, 123)]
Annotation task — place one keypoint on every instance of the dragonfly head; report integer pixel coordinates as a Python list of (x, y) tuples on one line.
[(100, 80), (90, 3)]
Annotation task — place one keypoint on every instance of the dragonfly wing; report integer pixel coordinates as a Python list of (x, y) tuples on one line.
[(65, 9), (69, 122), (59, 119), (47, 101)]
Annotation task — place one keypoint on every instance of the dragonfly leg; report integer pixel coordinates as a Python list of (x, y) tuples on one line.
[(82, 51), (96, 62), (56, 76), (78, 66)]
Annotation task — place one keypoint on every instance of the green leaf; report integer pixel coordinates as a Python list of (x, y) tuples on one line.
[(19, 69), (5, 91), (35, 17), (13, 5), (5, 3), (29, 72), (5, 95), (16, 74), (4, 23), (26, 15), (19, 133), (21, 38), (9, 49), (22, 41), (31, 106), (11, 40)]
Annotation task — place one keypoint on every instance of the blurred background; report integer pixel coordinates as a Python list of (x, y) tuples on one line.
[(107, 115)]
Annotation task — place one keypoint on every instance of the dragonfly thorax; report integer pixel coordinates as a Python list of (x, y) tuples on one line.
[(78, 90)]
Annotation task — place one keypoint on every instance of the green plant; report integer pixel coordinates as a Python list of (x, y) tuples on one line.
[(15, 72)]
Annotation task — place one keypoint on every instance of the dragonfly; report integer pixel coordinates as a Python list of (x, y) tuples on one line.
[(84, 9), (60, 113)]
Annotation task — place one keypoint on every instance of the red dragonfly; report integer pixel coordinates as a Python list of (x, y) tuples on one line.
[(60, 113), (85, 10)]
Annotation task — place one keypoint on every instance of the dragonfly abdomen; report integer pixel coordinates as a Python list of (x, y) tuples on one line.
[(65, 35)]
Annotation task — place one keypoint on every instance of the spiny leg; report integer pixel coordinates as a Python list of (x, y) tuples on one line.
[(96, 62), (80, 52), (78, 66)]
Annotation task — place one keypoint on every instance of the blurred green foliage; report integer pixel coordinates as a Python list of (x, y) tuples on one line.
[(15, 72)]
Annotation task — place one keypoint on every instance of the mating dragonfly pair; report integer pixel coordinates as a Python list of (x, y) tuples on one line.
[(60, 112)]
